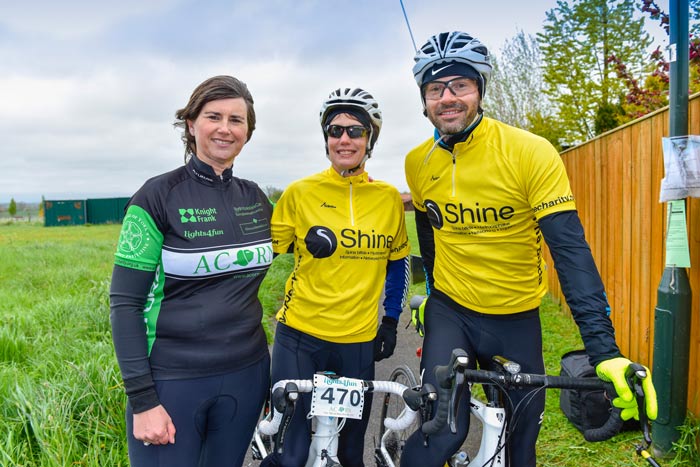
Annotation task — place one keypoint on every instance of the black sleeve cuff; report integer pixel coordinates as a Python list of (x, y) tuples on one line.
[(390, 321), (142, 393)]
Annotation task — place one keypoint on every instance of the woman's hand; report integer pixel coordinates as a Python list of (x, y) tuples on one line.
[(154, 426)]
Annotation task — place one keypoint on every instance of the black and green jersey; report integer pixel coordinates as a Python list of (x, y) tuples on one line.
[(202, 244)]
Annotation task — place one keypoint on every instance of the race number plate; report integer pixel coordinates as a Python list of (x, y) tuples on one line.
[(337, 397)]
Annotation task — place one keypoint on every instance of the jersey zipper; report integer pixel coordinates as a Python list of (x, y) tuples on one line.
[(454, 174), (352, 211)]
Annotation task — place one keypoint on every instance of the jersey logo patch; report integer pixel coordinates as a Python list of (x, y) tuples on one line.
[(434, 214), (193, 264), (321, 241), (192, 215)]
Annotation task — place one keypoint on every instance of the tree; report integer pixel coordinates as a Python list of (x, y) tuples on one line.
[(651, 93), (643, 96), (579, 36), (548, 127), (273, 193), (12, 210), (515, 90), (515, 93)]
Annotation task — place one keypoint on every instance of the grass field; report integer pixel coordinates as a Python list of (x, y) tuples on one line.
[(61, 397)]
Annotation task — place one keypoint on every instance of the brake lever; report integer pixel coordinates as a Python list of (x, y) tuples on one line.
[(634, 375), (455, 398), (458, 373), (285, 402)]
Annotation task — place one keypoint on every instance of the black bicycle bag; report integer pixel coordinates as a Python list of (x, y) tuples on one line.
[(586, 408)]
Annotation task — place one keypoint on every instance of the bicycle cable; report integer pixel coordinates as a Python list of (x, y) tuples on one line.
[(505, 434)]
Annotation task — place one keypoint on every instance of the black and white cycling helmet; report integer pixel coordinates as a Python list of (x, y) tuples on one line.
[(352, 100), (449, 47)]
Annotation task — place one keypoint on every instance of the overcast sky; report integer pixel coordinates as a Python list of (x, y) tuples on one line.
[(88, 89)]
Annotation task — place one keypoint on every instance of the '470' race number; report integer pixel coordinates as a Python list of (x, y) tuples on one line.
[(337, 397)]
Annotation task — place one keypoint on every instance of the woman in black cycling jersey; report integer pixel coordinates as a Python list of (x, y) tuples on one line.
[(186, 321), (349, 239)]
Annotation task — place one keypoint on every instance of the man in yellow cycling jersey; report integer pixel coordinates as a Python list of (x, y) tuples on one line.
[(487, 197)]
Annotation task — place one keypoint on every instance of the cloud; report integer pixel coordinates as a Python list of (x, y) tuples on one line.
[(69, 20), (89, 89)]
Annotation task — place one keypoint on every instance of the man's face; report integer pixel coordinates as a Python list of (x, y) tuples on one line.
[(451, 113)]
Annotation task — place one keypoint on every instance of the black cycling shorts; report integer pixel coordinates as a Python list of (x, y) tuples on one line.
[(517, 337), (214, 419), (296, 355)]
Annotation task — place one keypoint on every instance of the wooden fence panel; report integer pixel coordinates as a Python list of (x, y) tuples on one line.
[(694, 277), (616, 179)]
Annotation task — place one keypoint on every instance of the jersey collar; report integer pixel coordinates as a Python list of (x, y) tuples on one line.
[(450, 141), (204, 174), (353, 179)]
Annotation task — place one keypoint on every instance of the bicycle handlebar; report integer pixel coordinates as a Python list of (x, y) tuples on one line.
[(451, 379), (280, 393), (279, 390)]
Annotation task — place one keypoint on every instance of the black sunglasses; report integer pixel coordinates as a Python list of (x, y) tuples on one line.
[(354, 131)]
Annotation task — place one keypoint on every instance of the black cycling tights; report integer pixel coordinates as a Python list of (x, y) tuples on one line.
[(214, 419), (517, 337), (296, 355)]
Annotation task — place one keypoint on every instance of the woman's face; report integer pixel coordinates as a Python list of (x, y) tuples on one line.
[(344, 152), (220, 131)]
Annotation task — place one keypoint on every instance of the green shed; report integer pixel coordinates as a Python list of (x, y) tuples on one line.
[(105, 210), (64, 212)]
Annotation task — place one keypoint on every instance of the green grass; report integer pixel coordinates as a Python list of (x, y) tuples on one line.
[(61, 400), (61, 396)]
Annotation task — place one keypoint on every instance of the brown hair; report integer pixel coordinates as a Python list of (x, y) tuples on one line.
[(217, 87)]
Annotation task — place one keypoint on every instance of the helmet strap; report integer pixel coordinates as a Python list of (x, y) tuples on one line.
[(347, 172)]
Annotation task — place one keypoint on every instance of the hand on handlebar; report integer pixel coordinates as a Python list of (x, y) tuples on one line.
[(614, 371), (417, 306)]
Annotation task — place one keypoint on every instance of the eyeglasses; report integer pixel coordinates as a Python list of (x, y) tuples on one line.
[(354, 131), (459, 87)]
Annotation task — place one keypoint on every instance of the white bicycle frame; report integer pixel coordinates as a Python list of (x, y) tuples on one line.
[(324, 440), (493, 421)]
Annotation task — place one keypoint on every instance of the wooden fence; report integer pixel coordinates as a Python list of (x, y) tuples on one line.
[(616, 179)]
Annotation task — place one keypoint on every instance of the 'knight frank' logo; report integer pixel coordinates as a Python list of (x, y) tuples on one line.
[(321, 241), (187, 215), (434, 214), (197, 215)]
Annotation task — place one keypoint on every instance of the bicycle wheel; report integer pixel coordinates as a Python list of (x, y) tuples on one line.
[(392, 406)]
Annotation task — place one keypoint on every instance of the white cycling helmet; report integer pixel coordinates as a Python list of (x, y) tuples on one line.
[(449, 47), (354, 99)]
